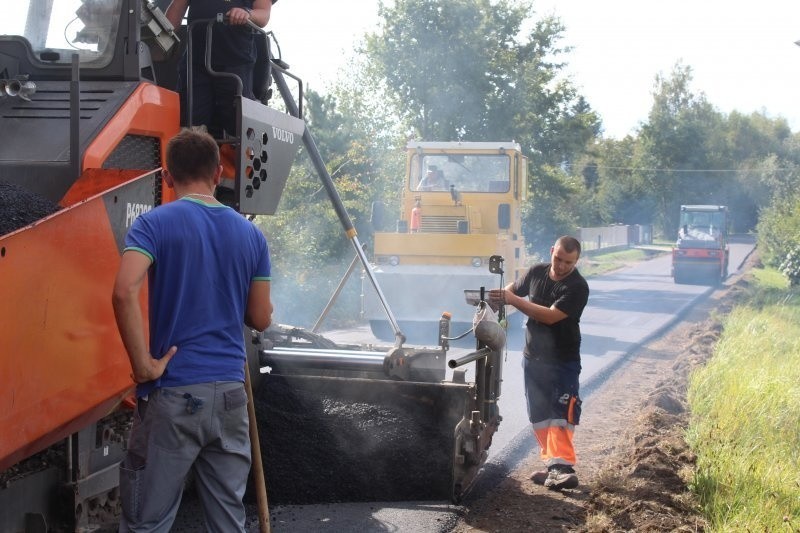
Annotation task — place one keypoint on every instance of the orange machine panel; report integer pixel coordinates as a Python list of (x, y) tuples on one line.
[(62, 363), (150, 110)]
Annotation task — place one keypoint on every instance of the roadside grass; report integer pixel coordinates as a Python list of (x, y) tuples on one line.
[(745, 406), (597, 263)]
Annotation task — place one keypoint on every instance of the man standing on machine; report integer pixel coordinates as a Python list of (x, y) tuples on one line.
[(233, 51)]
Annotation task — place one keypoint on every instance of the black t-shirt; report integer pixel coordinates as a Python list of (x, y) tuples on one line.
[(231, 45), (560, 341)]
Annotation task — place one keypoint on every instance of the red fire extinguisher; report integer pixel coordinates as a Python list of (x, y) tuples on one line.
[(416, 217)]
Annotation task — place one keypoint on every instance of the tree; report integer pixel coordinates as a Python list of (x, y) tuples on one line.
[(620, 193), (682, 146), (309, 249), (359, 145), (763, 152), (437, 65), (779, 231), (464, 70)]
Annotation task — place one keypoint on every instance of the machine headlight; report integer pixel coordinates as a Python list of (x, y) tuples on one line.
[(394, 260), (477, 261)]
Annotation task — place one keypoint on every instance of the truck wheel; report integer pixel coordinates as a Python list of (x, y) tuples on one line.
[(679, 276)]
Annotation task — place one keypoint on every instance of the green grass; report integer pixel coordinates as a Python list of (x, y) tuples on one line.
[(745, 406), (595, 264)]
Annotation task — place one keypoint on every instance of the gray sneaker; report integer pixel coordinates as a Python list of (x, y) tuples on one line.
[(561, 478)]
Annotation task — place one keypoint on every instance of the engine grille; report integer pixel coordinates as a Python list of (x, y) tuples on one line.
[(54, 104), (135, 152), (440, 224)]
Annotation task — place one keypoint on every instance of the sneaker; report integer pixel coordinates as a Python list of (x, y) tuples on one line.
[(561, 478), (540, 476)]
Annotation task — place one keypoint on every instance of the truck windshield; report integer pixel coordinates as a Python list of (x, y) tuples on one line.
[(703, 223), (56, 29), (467, 173)]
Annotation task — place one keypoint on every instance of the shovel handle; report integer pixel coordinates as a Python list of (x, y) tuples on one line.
[(258, 465)]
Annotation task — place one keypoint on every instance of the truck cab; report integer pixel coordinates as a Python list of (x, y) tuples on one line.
[(460, 205)]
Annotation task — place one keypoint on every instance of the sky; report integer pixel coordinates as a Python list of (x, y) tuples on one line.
[(742, 53)]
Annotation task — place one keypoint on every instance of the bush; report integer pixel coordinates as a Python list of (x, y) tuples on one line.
[(790, 266), (779, 231)]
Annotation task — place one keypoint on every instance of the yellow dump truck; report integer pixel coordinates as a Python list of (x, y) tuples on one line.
[(460, 205)]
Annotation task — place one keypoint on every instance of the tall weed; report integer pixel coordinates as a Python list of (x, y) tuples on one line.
[(745, 407)]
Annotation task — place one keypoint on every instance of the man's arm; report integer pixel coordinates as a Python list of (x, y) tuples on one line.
[(259, 15), (262, 10), (176, 11), (545, 315), (258, 314), (128, 313)]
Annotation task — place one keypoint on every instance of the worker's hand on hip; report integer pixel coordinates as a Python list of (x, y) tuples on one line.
[(154, 368)]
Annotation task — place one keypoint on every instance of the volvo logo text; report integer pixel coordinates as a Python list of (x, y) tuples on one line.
[(283, 135)]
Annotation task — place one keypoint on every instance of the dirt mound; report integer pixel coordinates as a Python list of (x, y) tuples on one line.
[(644, 486)]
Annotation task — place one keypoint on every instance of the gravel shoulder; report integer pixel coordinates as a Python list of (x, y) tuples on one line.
[(633, 462)]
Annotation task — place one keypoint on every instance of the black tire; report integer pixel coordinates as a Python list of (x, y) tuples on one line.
[(679, 276)]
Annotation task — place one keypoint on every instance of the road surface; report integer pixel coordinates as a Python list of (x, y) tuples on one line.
[(626, 309)]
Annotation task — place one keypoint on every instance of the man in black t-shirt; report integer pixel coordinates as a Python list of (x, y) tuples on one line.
[(553, 296), (233, 51)]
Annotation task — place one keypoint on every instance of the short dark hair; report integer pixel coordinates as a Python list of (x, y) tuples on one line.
[(192, 156), (569, 244)]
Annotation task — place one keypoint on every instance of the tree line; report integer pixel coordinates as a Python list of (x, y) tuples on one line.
[(481, 70)]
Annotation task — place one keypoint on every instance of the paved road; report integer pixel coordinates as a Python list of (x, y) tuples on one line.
[(626, 309)]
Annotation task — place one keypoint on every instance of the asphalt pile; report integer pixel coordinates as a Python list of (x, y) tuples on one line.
[(20, 207), (350, 441)]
